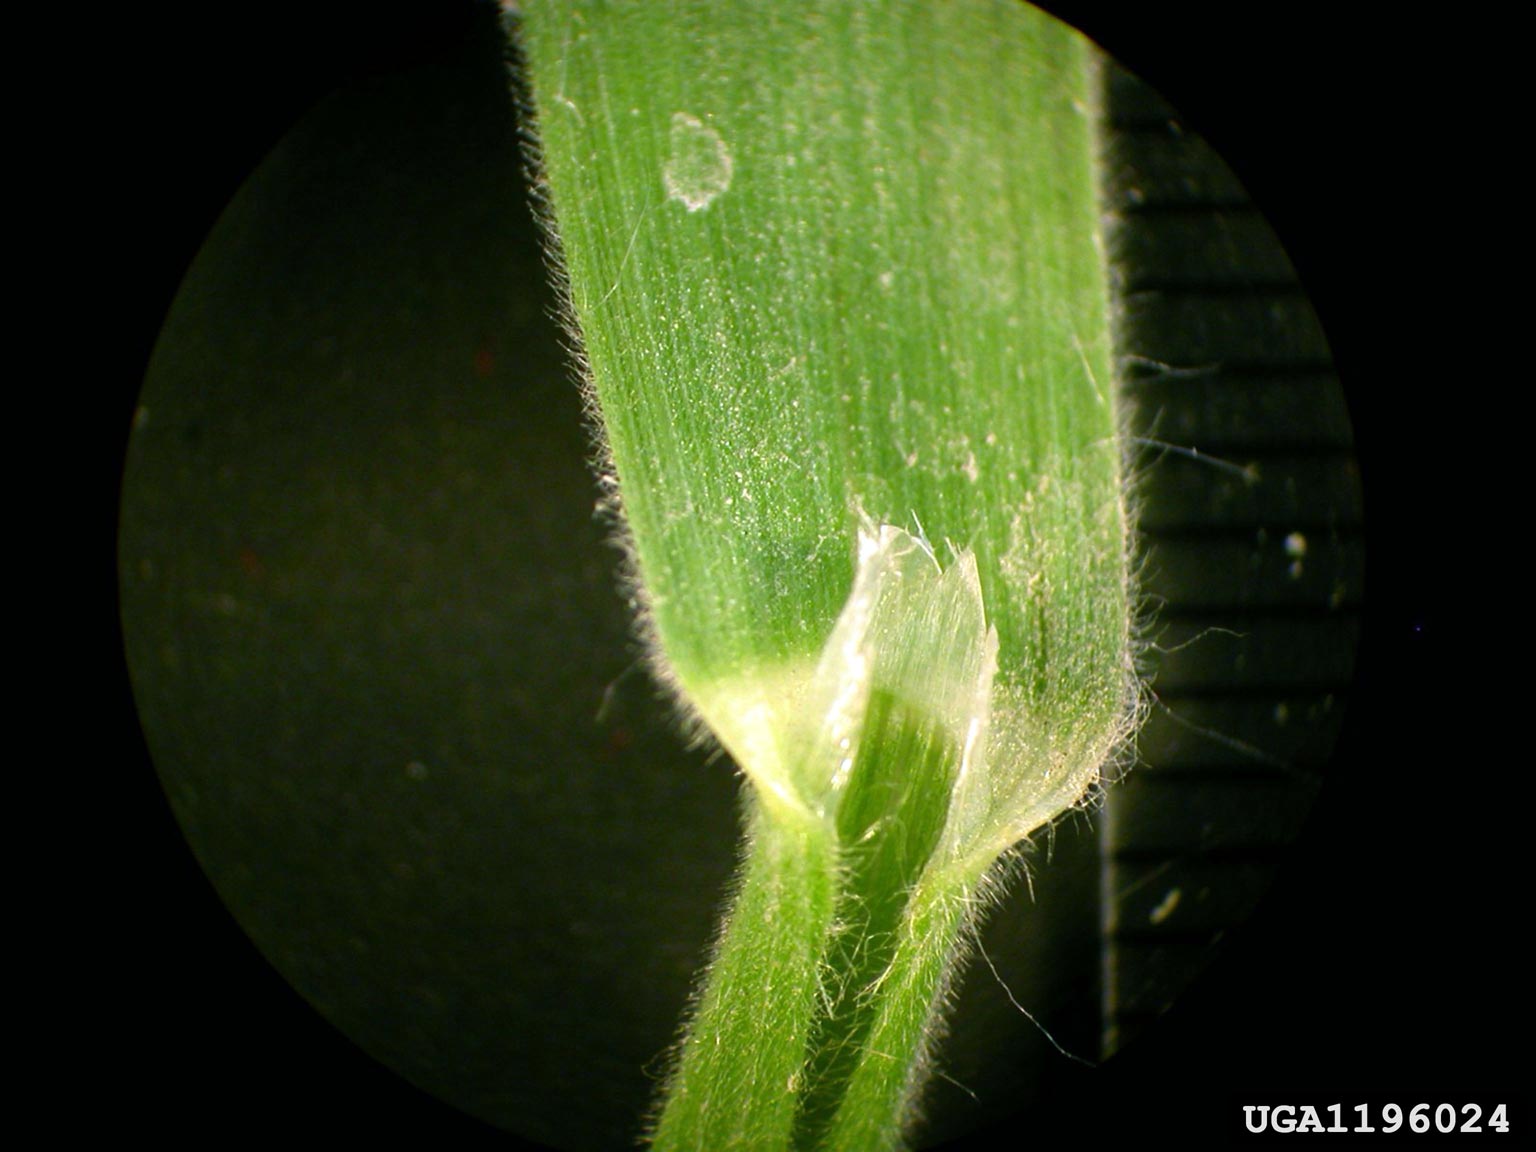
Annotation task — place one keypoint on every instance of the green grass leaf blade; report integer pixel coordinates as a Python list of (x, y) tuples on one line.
[(843, 258), (838, 267)]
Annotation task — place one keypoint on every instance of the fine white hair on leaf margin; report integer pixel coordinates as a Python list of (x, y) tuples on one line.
[(609, 507)]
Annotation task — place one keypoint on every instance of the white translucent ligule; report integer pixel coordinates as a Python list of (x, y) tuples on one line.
[(910, 627)]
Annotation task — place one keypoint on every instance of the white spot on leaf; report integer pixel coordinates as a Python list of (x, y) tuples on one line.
[(698, 166)]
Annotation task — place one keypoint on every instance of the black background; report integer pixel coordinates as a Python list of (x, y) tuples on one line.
[(1383, 965)]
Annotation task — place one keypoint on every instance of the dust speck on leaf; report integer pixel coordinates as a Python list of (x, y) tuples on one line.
[(1165, 908), (698, 166), (1296, 549)]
